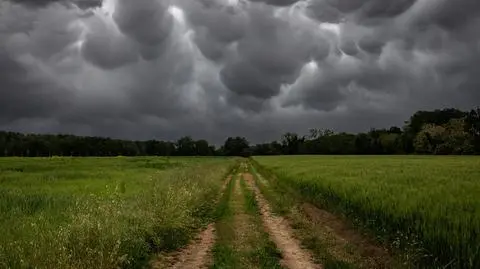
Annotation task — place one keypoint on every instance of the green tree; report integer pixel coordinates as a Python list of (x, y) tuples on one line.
[(185, 146), (456, 139), (292, 143), (472, 126), (391, 143), (202, 148), (362, 143), (236, 146), (429, 138), (450, 138)]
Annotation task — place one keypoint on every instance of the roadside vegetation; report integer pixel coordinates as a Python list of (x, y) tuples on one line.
[(427, 207), (103, 212)]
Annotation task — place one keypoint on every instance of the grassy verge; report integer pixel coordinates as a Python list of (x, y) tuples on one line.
[(286, 202), (102, 212)]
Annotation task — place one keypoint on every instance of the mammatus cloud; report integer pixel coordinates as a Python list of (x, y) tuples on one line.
[(214, 68), (42, 3)]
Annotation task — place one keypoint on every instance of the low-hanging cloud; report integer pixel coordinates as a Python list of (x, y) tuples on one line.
[(213, 68)]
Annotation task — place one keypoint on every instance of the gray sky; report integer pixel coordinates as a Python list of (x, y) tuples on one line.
[(162, 69)]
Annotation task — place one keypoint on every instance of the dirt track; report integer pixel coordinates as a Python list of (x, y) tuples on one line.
[(336, 234), (294, 257), (195, 255)]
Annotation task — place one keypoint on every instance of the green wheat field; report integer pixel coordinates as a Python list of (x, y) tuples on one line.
[(427, 205)]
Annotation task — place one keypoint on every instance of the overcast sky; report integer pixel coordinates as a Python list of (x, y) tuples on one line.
[(143, 69)]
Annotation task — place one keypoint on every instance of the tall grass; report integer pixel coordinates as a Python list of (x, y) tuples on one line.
[(427, 206), (102, 212)]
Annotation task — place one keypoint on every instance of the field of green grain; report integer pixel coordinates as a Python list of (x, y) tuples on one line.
[(428, 207), (102, 212)]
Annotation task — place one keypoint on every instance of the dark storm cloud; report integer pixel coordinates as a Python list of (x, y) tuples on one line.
[(317, 95), (270, 54), (335, 10), (370, 45), (107, 48), (245, 78), (23, 95), (26, 87), (211, 68), (277, 2), (40, 3), (146, 21), (384, 8), (216, 25), (452, 14)]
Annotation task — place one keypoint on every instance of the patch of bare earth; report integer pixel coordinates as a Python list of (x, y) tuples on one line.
[(343, 236), (294, 257), (195, 255)]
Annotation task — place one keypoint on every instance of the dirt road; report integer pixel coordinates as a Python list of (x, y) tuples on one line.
[(249, 235)]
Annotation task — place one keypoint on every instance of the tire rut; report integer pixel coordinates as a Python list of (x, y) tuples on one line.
[(294, 257)]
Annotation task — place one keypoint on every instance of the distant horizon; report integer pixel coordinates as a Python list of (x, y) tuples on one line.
[(440, 132), (218, 144)]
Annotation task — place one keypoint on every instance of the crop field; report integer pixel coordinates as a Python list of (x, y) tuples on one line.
[(291, 212), (426, 206), (102, 212)]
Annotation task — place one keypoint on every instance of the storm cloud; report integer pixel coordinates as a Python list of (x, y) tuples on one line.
[(215, 68)]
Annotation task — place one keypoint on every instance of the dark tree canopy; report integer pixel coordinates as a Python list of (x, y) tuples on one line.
[(447, 131), (236, 146), (437, 117)]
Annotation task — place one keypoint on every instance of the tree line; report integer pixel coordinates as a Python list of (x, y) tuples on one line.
[(440, 132)]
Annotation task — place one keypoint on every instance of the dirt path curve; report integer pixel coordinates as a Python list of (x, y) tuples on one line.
[(294, 257), (198, 253)]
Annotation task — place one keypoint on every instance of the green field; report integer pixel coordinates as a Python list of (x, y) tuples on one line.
[(137, 212), (102, 212), (429, 207)]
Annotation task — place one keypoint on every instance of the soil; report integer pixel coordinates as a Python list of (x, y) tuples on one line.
[(195, 255), (294, 257)]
